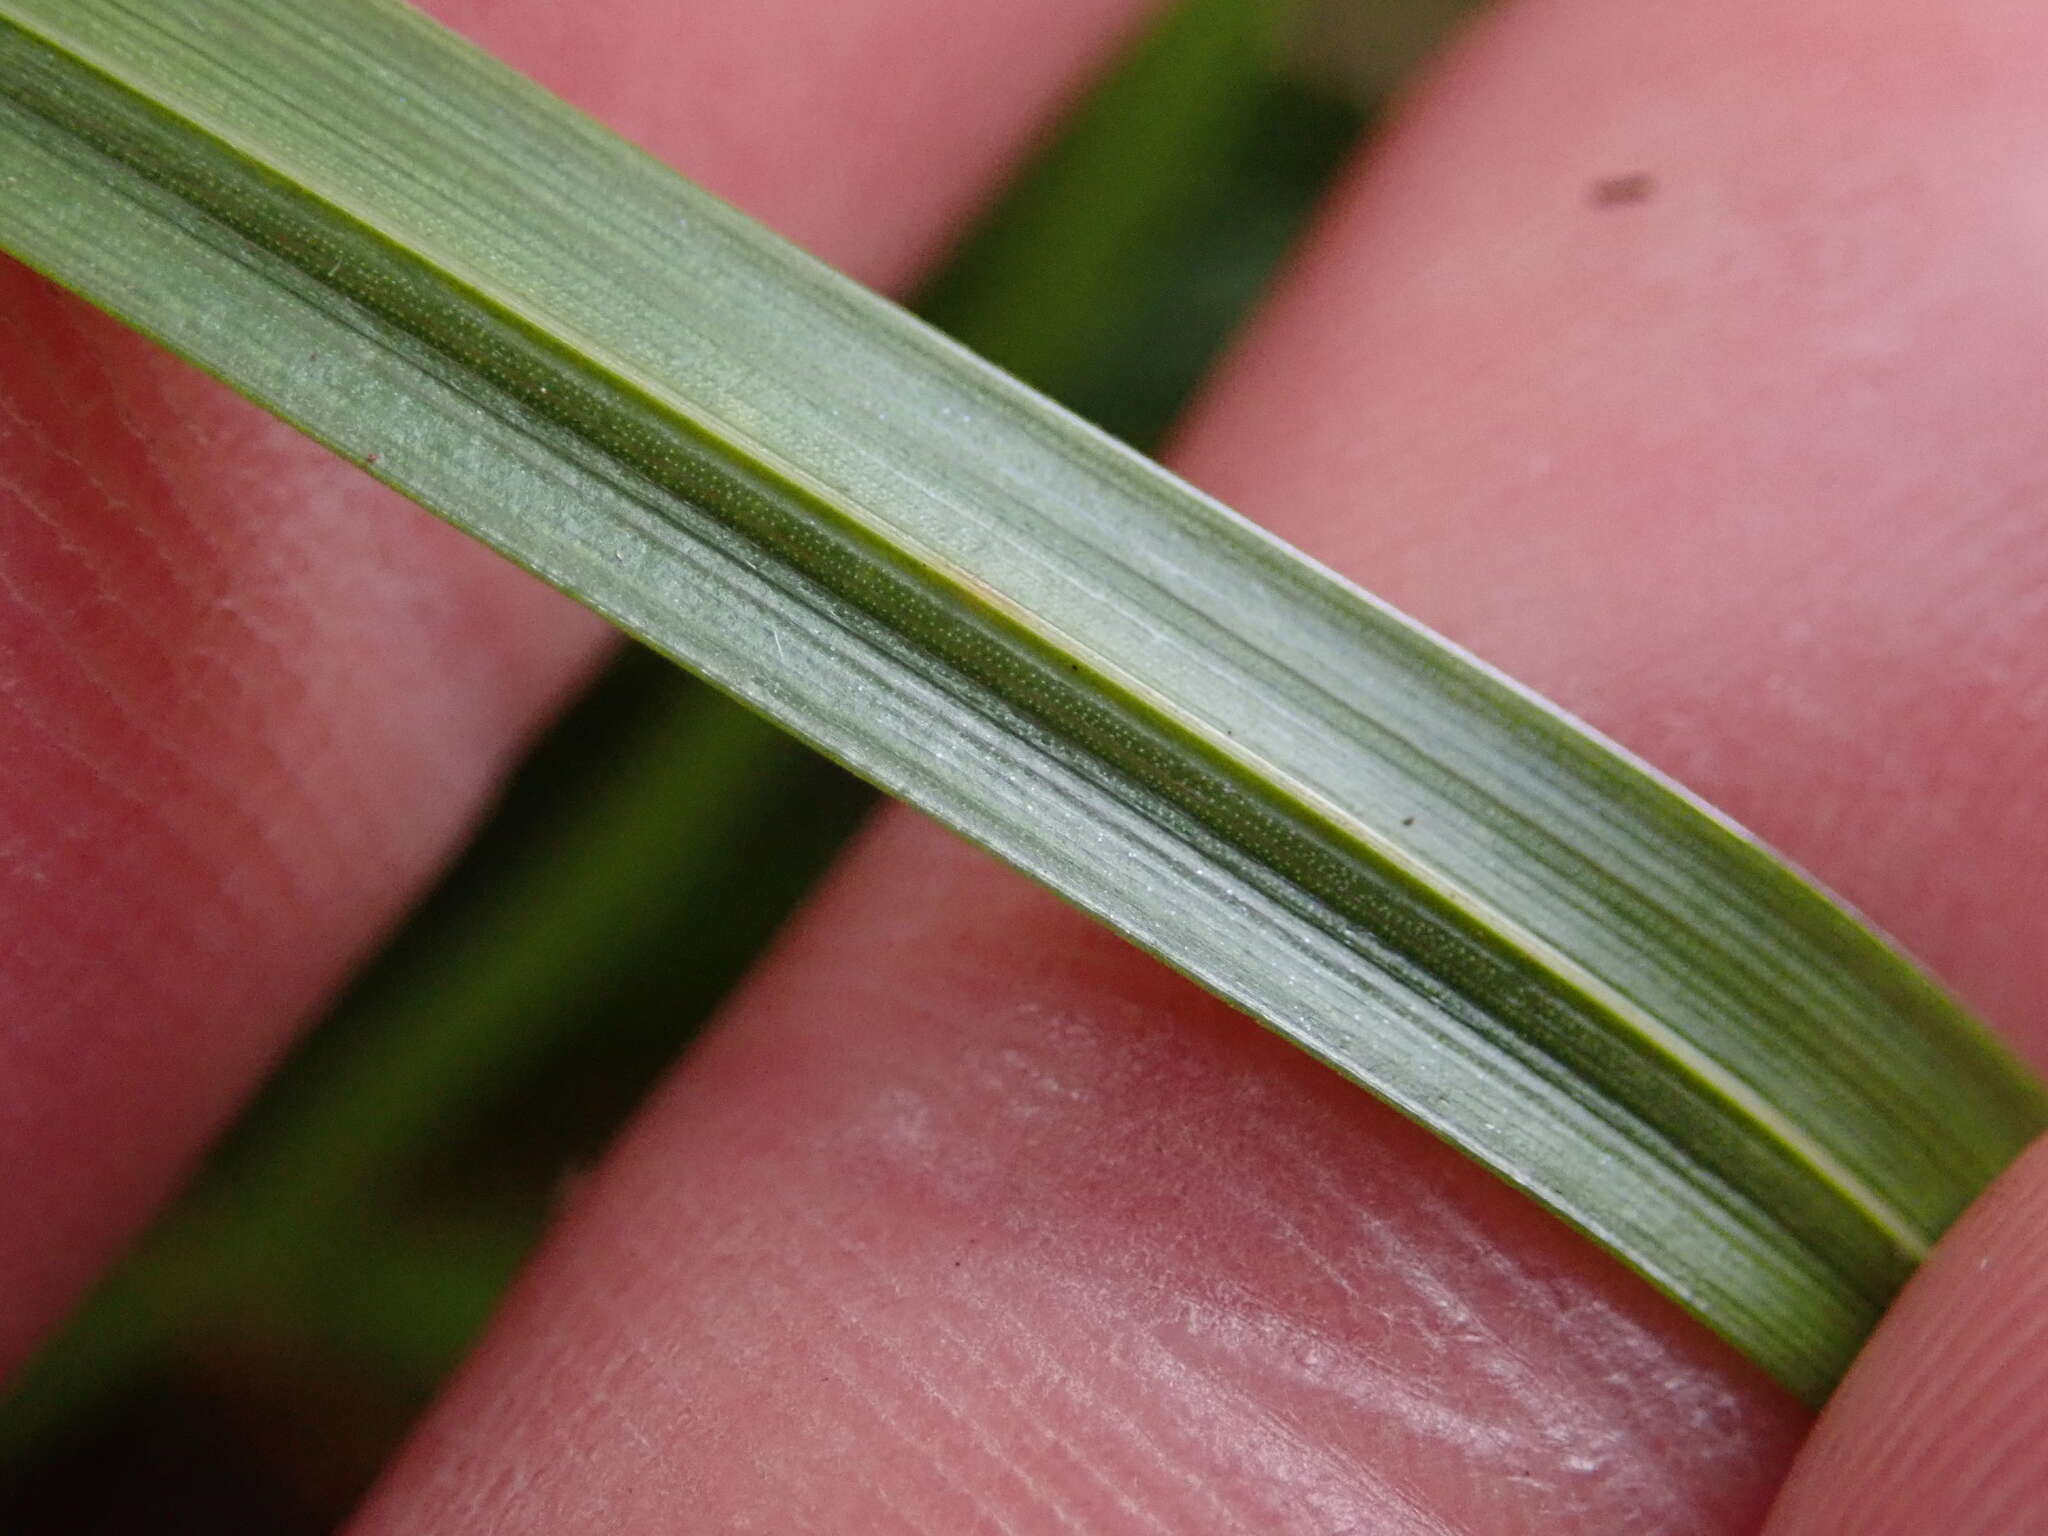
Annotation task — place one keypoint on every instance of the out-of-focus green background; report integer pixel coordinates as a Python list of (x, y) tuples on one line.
[(259, 1357)]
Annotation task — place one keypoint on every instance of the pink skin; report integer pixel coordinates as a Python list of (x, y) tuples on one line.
[(253, 701), (1942, 1425), (970, 1219)]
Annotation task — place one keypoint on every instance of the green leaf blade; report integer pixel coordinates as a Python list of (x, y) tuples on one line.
[(1375, 845)]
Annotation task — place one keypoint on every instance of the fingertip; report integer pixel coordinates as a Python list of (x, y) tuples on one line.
[(1942, 1424)]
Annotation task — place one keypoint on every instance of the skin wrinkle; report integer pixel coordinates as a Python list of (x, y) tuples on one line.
[(1395, 1385), (863, 1389), (1180, 1469), (508, 1480), (1453, 1325), (973, 1429), (850, 1349), (1150, 1457), (265, 561), (30, 950), (1498, 1358), (851, 1330), (50, 728), (1267, 1452), (196, 921), (164, 743), (180, 739), (1148, 1452)]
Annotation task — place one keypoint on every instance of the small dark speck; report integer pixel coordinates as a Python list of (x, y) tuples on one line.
[(371, 458), (1621, 191), (1407, 821)]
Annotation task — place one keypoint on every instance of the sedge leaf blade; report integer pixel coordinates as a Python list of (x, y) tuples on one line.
[(1428, 878)]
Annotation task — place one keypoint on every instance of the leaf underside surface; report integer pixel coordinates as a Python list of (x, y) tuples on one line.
[(1414, 869)]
